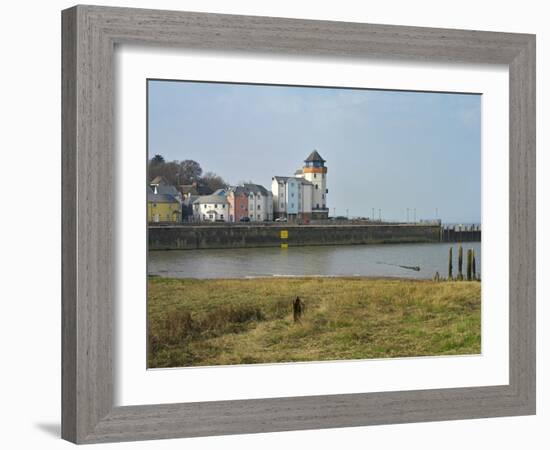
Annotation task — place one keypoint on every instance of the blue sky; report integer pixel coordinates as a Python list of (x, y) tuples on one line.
[(388, 150)]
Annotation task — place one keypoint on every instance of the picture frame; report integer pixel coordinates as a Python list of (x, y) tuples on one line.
[(89, 37)]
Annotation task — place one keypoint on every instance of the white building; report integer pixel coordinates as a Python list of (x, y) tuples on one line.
[(260, 203), (292, 198), (304, 196), (315, 172), (211, 208)]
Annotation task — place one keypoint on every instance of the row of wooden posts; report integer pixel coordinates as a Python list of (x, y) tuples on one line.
[(470, 265), (471, 271)]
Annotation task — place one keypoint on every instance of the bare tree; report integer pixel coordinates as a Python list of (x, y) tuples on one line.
[(190, 171), (213, 181)]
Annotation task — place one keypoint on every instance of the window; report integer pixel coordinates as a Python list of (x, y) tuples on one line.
[(215, 206), (292, 205), (210, 216), (314, 175), (292, 195), (223, 206), (259, 196), (221, 216), (259, 207), (317, 206), (316, 186), (323, 196), (259, 217)]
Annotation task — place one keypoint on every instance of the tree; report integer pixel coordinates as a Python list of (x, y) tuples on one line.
[(213, 181), (169, 170), (190, 171), (157, 160)]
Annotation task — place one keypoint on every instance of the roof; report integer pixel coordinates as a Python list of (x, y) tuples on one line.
[(279, 178), (188, 189), (314, 157), (159, 180), (166, 189), (210, 199), (220, 191), (297, 179), (195, 189), (238, 190), (256, 189), (161, 198)]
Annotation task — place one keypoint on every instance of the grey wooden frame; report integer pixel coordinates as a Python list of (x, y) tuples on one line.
[(89, 37)]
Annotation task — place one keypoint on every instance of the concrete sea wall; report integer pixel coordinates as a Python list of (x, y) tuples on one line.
[(188, 237)]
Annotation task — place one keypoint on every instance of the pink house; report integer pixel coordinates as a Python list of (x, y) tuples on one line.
[(238, 203)]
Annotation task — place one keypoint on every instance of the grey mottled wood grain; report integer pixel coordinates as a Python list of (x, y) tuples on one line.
[(89, 36)]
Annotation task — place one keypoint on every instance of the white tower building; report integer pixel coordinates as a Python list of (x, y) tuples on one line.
[(315, 172)]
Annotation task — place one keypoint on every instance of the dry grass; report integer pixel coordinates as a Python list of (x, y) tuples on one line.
[(211, 322)]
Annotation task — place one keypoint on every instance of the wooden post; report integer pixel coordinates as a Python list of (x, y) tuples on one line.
[(474, 265), (450, 274), (460, 276), (469, 265)]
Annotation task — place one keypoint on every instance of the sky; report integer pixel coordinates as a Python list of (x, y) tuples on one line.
[(387, 150)]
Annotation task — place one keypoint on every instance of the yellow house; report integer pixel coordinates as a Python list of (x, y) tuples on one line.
[(163, 208)]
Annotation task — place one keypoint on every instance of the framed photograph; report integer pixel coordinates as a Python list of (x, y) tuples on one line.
[(278, 224)]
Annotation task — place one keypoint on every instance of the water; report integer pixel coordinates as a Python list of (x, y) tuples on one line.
[(341, 260)]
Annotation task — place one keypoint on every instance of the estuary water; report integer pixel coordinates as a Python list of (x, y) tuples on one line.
[(384, 260)]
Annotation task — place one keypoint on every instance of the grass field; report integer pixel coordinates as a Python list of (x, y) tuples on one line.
[(242, 321)]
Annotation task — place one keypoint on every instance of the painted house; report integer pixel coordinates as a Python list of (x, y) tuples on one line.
[(260, 203), (292, 198), (162, 207), (237, 198), (211, 208)]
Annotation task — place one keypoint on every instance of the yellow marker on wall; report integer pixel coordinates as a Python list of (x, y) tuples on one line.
[(284, 234)]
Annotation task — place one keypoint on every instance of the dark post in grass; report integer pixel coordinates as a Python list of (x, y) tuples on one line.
[(469, 265), (450, 275), (460, 276), (474, 276)]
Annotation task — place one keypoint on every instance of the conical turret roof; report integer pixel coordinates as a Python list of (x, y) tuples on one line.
[(314, 157)]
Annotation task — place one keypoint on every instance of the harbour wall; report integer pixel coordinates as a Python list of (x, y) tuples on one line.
[(189, 237)]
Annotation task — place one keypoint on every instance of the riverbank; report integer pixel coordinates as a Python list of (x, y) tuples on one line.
[(243, 321), (223, 236)]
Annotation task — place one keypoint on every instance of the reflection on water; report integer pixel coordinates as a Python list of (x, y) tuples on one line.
[(342, 260)]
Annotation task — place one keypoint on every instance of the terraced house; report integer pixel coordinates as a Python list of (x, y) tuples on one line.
[(162, 207), (260, 203), (211, 208)]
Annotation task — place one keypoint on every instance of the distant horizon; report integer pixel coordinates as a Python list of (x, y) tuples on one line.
[(388, 150)]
